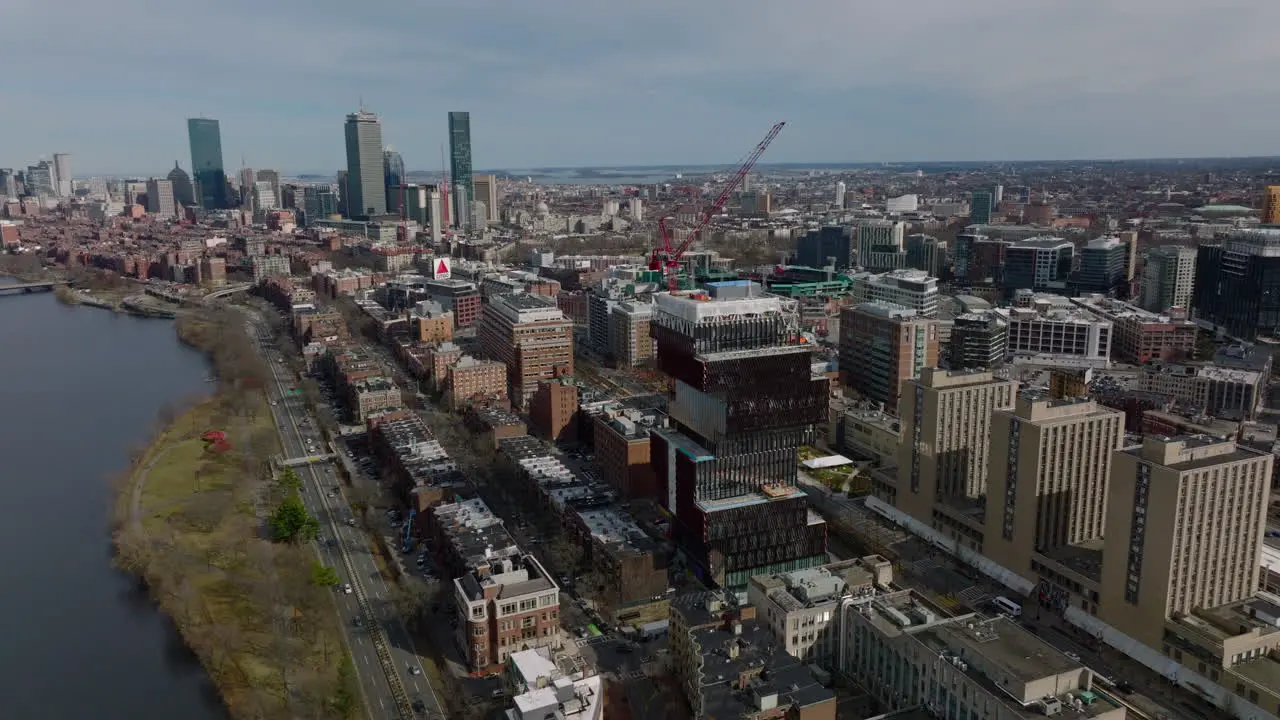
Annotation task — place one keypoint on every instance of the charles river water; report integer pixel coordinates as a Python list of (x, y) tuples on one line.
[(79, 387)]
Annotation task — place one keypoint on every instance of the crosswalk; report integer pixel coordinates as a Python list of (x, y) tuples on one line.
[(598, 640)]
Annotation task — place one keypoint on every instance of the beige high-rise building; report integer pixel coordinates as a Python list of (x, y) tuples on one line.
[(1050, 461), (485, 188), (632, 344), (942, 459), (1185, 522)]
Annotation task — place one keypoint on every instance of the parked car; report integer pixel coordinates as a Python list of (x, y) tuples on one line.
[(347, 589)]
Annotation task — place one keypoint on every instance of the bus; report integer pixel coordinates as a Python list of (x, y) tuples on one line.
[(1006, 606)]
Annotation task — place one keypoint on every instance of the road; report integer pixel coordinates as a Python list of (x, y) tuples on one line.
[(348, 549)]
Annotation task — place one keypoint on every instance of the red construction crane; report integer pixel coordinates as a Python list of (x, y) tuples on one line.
[(667, 258)]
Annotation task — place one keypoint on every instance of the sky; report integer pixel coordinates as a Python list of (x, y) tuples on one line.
[(597, 82)]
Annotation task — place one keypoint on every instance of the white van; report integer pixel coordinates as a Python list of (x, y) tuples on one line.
[(1006, 606)]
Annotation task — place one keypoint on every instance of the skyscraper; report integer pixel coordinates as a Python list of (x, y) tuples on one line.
[(366, 189), (183, 192), (744, 401), (206, 162), (393, 175), (882, 346), (62, 174), (460, 171), (39, 180), (840, 191), (1237, 283)]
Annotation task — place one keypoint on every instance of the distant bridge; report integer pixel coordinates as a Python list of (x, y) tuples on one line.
[(31, 287)]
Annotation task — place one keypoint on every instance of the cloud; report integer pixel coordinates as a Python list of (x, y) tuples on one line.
[(580, 82)]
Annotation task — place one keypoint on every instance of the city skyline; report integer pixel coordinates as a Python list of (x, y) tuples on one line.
[(569, 84)]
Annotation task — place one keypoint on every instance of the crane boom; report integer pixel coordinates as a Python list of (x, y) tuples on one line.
[(666, 257)]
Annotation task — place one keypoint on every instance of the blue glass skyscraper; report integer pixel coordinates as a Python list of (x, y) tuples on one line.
[(460, 171), (206, 162)]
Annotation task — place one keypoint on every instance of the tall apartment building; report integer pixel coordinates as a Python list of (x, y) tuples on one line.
[(1237, 283), (160, 198), (913, 289), (943, 459), (62, 174), (1185, 519), (531, 337), (266, 266), (632, 343), (506, 605), (1271, 205), (1049, 464), (1167, 278), (213, 271), (882, 346), (366, 190), (744, 401)]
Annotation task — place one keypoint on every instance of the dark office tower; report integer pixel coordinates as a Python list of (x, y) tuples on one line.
[(366, 191), (831, 242), (392, 175), (206, 162), (342, 193), (183, 192), (1237, 284), (460, 170), (980, 208), (744, 401), (1102, 267)]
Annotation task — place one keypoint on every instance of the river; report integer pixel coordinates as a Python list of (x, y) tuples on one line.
[(79, 387)]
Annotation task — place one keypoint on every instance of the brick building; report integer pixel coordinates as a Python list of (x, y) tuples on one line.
[(553, 411), (531, 337), (481, 382)]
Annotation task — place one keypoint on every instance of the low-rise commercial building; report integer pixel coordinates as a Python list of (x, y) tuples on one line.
[(1141, 336), (1206, 388)]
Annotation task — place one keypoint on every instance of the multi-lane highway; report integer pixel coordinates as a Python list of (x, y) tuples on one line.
[(389, 669)]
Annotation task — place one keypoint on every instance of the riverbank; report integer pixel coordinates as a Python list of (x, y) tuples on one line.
[(191, 524)]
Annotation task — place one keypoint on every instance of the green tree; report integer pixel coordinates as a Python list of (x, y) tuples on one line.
[(323, 576), (292, 523), (344, 698), (289, 482)]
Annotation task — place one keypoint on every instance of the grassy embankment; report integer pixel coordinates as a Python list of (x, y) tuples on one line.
[(191, 524)]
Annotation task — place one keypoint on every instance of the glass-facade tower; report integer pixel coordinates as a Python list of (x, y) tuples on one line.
[(206, 162), (461, 173), (366, 186)]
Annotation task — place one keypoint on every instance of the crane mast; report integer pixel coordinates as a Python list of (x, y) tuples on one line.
[(666, 257)]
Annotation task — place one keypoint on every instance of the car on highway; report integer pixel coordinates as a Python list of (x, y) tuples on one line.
[(347, 589), (414, 670), (1073, 657), (419, 706)]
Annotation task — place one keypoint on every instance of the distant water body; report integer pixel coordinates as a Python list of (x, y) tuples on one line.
[(79, 387)]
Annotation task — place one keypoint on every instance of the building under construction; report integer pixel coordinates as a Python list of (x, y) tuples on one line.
[(743, 401)]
